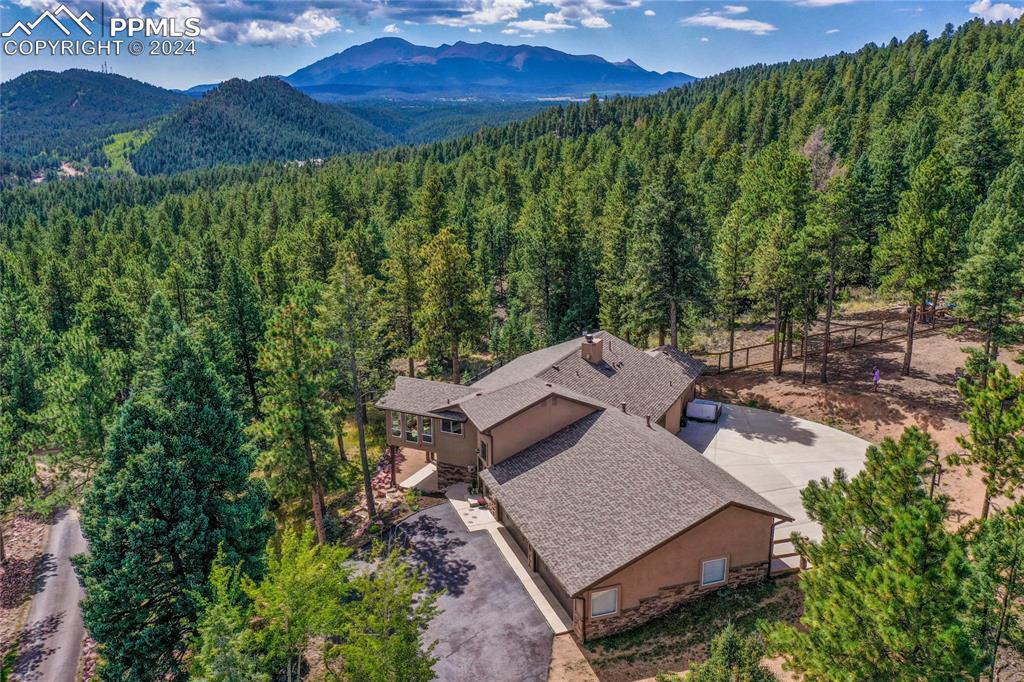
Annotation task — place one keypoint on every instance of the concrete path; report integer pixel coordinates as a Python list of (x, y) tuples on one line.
[(51, 642), (777, 455)]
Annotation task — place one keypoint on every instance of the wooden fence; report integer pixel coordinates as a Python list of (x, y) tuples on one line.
[(844, 337)]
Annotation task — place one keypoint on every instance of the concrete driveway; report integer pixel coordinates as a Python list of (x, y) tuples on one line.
[(777, 455), (490, 628)]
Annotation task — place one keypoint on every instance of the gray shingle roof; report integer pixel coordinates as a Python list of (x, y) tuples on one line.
[(606, 489), (647, 384), (692, 366), (420, 396), (495, 406)]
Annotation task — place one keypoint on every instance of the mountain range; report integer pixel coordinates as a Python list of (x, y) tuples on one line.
[(396, 68), (382, 93)]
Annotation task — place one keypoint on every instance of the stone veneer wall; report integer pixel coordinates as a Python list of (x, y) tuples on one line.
[(449, 474), (665, 600)]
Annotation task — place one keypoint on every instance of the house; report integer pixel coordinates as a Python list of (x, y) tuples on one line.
[(574, 448)]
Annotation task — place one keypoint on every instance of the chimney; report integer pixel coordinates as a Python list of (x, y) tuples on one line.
[(591, 350), (648, 421), (623, 407)]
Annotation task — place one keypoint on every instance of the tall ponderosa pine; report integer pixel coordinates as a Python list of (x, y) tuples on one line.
[(241, 317), (996, 586), (349, 318), (884, 599), (989, 284), (17, 473), (175, 485), (453, 316), (404, 284), (995, 438), (919, 254), (296, 424), (733, 658)]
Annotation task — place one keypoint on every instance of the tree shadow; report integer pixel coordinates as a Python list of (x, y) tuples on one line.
[(34, 646), (436, 547)]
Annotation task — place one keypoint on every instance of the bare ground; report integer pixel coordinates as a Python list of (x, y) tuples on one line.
[(927, 398), (24, 538)]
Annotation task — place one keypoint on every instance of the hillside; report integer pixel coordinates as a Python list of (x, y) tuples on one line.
[(393, 67), (48, 115), (243, 121)]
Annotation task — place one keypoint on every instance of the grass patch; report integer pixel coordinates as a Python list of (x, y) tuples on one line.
[(683, 635), (122, 146)]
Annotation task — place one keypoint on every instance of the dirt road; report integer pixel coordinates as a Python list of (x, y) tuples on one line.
[(51, 642)]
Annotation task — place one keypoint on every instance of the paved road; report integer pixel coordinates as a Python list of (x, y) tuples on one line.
[(52, 639), (490, 628)]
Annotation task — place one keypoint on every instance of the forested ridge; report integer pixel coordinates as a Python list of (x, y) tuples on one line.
[(767, 190)]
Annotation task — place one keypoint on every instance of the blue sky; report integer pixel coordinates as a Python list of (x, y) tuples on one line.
[(249, 38)]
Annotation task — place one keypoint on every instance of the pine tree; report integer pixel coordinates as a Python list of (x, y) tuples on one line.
[(296, 424), (349, 320), (240, 316), (996, 585), (223, 649), (733, 658), (174, 486), (82, 396), (993, 275), (995, 439), (884, 598), (454, 314), (919, 254), (833, 234), (301, 597), (17, 474), (404, 284), (383, 635)]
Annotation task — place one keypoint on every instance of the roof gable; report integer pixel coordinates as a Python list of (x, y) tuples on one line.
[(605, 490)]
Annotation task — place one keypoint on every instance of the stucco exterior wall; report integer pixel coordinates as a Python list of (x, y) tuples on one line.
[(450, 449), (740, 535), (533, 424)]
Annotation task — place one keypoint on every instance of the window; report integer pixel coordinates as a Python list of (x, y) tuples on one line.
[(396, 424), (713, 571), (604, 602), (451, 426), (427, 430), (411, 432)]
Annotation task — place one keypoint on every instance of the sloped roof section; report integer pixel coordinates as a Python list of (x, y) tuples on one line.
[(649, 384), (423, 397), (496, 406), (692, 366), (601, 492)]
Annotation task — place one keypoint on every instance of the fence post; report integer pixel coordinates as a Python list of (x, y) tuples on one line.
[(881, 331), (748, 357), (855, 337), (719, 364)]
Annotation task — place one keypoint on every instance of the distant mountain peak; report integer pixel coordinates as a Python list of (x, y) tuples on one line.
[(394, 67)]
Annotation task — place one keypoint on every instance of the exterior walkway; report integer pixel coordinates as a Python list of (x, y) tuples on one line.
[(777, 455)]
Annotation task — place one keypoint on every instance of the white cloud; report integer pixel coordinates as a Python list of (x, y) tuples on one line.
[(832, 30), (995, 11), (391, 28), (552, 22), (510, 31), (822, 3), (474, 30), (735, 9), (648, 12), (596, 21), (719, 20), (705, 39)]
